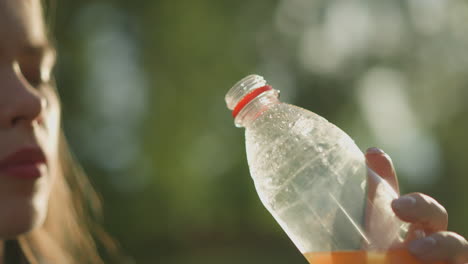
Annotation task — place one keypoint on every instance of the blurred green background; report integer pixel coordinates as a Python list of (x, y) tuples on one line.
[(143, 85)]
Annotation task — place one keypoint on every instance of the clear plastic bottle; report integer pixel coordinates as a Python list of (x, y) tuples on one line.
[(313, 179)]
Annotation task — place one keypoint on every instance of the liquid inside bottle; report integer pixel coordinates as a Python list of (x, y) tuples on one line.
[(395, 256)]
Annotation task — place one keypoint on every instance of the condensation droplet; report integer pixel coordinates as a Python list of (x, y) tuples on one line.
[(319, 149), (363, 185)]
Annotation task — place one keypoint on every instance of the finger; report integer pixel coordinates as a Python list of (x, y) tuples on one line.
[(415, 231), (382, 188), (381, 163), (420, 209), (442, 246)]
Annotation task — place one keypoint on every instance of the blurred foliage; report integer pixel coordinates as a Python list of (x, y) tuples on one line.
[(143, 86)]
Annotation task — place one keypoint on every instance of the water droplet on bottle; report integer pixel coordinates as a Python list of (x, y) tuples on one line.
[(363, 185), (319, 149)]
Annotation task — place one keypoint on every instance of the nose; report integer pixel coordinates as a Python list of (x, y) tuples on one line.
[(20, 103)]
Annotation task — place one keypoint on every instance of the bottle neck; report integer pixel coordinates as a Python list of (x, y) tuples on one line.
[(249, 98), (255, 108)]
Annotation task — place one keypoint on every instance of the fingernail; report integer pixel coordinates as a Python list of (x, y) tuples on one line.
[(422, 246), (374, 150), (404, 202)]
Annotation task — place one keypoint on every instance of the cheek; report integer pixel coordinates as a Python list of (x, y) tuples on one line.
[(48, 137), (51, 126)]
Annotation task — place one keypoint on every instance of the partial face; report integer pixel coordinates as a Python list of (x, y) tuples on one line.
[(29, 118)]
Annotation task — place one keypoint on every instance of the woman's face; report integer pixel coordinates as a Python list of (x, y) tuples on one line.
[(29, 118)]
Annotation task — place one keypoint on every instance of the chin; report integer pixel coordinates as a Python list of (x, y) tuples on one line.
[(20, 217)]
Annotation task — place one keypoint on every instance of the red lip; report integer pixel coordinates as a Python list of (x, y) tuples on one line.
[(24, 163)]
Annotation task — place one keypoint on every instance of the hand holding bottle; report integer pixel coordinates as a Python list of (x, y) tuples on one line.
[(427, 238)]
